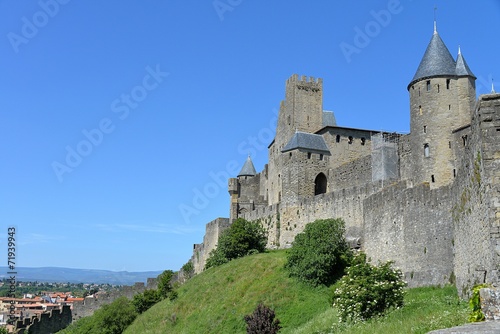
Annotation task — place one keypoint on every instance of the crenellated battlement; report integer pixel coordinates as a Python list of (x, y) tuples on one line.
[(304, 80)]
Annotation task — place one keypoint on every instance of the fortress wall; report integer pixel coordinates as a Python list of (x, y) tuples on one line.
[(346, 204), (413, 228), (201, 251), (91, 304), (269, 217), (51, 322), (476, 199), (405, 164), (355, 173)]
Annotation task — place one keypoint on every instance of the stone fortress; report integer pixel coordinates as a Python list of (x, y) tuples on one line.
[(428, 200)]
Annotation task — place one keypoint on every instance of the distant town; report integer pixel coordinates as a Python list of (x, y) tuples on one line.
[(35, 298)]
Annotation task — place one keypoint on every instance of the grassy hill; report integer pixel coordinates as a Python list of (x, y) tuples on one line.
[(217, 300)]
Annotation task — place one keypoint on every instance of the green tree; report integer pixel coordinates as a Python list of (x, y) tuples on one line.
[(143, 301), (3, 330), (187, 270), (240, 239), (367, 291), (114, 318), (320, 254), (165, 287)]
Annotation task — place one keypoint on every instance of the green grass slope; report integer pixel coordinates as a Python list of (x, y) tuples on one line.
[(216, 301)]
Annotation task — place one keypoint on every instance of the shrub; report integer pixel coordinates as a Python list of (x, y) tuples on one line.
[(143, 301), (476, 314), (367, 291), (115, 317), (320, 254), (240, 239), (187, 270), (262, 321), (165, 288)]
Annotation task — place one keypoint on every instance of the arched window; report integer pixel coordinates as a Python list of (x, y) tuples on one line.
[(320, 184)]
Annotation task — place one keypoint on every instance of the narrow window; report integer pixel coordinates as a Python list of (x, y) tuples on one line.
[(321, 157), (428, 85), (438, 88), (350, 139), (426, 150), (363, 141), (449, 106), (464, 140), (432, 179), (447, 83), (337, 139), (290, 154), (308, 155), (288, 119), (420, 109), (425, 128), (449, 144), (454, 172)]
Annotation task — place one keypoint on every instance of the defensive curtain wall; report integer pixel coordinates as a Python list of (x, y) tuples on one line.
[(56, 320), (476, 198)]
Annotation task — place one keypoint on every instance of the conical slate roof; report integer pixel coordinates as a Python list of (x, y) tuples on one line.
[(462, 69), (308, 142), (437, 61), (248, 168)]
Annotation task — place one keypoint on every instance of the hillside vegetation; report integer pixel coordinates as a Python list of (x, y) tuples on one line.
[(217, 300)]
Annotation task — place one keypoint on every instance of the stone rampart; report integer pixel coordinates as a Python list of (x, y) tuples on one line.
[(413, 228), (50, 322), (90, 304), (476, 199), (212, 232)]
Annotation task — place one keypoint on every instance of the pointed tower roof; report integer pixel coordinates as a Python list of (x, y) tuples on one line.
[(248, 168), (437, 61), (462, 69)]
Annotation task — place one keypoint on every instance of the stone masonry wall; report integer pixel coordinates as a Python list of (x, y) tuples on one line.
[(413, 228), (476, 199), (50, 322), (201, 251), (356, 173)]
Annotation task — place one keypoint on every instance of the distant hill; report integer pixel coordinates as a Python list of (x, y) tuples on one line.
[(63, 275)]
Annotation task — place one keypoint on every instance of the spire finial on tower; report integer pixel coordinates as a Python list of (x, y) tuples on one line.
[(459, 52), (435, 25), (492, 87)]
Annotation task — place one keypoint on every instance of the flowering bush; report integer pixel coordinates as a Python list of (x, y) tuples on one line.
[(367, 291)]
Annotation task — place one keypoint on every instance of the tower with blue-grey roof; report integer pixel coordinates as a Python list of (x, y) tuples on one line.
[(442, 97)]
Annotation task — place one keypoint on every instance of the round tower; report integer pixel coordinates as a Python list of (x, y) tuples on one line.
[(442, 95)]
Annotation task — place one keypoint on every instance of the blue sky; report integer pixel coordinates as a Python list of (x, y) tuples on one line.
[(120, 121)]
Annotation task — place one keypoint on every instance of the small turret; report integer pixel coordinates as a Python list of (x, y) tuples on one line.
[(248, 168)]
